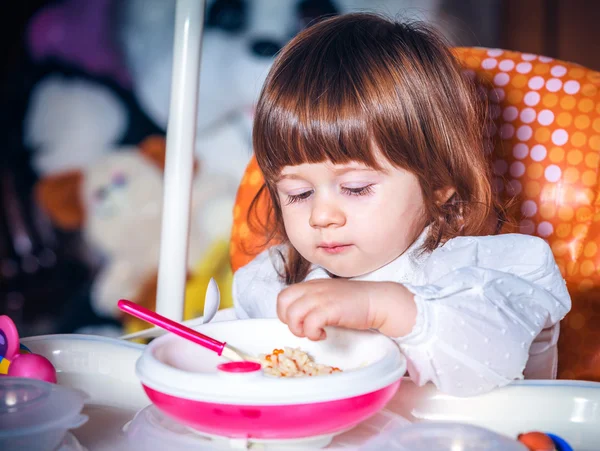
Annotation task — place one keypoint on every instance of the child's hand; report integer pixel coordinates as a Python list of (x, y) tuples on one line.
[(308, 307)]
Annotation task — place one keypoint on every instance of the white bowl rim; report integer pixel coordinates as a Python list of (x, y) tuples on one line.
[(83, 337), (262, 390), (556, 383)]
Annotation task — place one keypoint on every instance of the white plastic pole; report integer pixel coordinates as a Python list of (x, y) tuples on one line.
[(181, 136)]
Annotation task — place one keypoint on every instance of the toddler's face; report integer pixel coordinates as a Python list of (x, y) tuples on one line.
[(350, 219)]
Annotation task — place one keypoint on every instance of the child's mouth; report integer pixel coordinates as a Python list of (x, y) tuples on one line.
[(334, 248)]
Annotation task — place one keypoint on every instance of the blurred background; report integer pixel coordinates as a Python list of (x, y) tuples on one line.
[(84, 95)]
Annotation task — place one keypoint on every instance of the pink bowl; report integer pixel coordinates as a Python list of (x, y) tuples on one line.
[(193, 386), (273, 422)]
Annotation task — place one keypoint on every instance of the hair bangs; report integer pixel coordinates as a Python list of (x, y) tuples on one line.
[(314, 115), (311, 134)]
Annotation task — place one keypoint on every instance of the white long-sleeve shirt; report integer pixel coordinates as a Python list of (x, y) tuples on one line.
[(488, 308)]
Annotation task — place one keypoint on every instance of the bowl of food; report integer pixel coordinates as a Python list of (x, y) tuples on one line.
[(299, 389)]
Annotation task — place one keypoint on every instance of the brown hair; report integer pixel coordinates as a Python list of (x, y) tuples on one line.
[(359, 83)]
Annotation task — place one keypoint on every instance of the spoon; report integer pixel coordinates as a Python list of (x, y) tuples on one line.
[(221, 348), (212, 301)]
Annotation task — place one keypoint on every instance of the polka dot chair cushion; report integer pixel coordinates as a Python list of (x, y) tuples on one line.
[(545, 135)]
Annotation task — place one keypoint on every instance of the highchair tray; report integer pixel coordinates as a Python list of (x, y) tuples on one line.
[(105, 369)]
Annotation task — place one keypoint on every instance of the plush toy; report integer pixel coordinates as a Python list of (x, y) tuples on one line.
[(71, 121), (117, 202), (230, 79), (76, 109)]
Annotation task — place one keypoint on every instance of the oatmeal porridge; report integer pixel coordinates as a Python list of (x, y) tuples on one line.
[(293, 362)]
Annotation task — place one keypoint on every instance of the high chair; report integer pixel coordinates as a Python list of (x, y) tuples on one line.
[(545, 135), (120, 417)]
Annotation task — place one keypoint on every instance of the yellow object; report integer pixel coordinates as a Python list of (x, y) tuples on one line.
[(4, 364), (215, 264)]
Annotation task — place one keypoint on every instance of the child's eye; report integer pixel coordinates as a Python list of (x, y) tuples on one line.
[(119, 179), (101, 193), (294, 198), (361, 191)]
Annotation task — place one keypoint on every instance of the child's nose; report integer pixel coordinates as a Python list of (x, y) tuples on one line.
[(326, 214)]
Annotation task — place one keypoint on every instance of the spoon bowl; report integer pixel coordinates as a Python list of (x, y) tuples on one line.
[(212, 301)]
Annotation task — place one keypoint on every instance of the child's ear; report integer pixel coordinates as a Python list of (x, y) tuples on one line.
[(60, 197), (444, 194)]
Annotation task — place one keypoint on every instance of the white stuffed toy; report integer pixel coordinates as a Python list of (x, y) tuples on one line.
[(71, 121), (116, 201)]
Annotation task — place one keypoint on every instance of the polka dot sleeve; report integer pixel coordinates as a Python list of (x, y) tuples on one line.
[(483, 302)]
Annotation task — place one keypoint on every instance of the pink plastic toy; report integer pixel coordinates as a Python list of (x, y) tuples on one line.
[(17, 361)]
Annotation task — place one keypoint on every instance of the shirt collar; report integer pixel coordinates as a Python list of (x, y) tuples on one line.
[(404, 267)]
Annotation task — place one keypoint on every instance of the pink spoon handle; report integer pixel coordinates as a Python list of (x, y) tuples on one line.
[(165, 323)]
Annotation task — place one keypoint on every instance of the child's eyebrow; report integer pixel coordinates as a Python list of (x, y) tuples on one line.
[(337, 171), (288, 177), (342, 171)]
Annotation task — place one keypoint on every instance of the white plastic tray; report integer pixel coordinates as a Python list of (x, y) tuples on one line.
[(104, 368)]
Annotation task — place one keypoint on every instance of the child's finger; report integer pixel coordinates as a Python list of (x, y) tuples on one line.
[(297, 312), (286, 297), (314, 324)]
